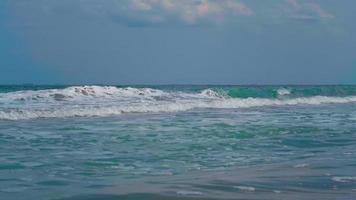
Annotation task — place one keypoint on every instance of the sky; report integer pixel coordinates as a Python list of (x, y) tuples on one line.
[(177, 42)]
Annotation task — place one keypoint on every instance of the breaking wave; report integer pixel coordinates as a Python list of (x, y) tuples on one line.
[(283, 92), (89, 101)]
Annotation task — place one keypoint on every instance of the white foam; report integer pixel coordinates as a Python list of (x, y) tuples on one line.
[(245, 188), (303, 165), (283, 91), (344, 179), (79, 93), (212, 93), (185, 193), (90, 101)]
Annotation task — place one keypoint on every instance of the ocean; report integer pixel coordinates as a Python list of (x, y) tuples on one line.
[(177, 142)]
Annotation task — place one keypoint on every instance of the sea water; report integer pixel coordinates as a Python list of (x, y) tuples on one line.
[(177, 142)]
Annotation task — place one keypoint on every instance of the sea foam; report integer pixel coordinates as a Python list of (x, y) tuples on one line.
[(88, 101), (283, 92)]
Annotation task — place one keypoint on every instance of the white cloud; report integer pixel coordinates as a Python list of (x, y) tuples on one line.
[(306, 10), (163, 12), (192, 11)]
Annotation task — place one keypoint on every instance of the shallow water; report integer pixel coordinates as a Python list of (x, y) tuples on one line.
[(211, 144)]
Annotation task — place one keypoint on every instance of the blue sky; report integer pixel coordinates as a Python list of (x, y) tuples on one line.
[(178, 42)]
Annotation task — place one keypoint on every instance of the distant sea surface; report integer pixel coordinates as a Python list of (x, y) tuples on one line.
[(177, 142)]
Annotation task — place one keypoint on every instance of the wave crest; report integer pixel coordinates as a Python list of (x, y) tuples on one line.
[(212, 93), (283, 92), (88, 101), (76, 92)]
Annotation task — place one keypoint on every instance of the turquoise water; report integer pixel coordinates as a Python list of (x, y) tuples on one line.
[(177, 142)]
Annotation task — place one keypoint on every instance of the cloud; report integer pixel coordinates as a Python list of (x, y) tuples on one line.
[(192, 11), (167, 12), (157, 11), (306, 10)]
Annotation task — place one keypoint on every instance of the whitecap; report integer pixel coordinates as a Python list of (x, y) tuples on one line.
[(89, 101), (303, 165), (189, 193), (212, 93), (245, 188), (344, 179), (283, 92)]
